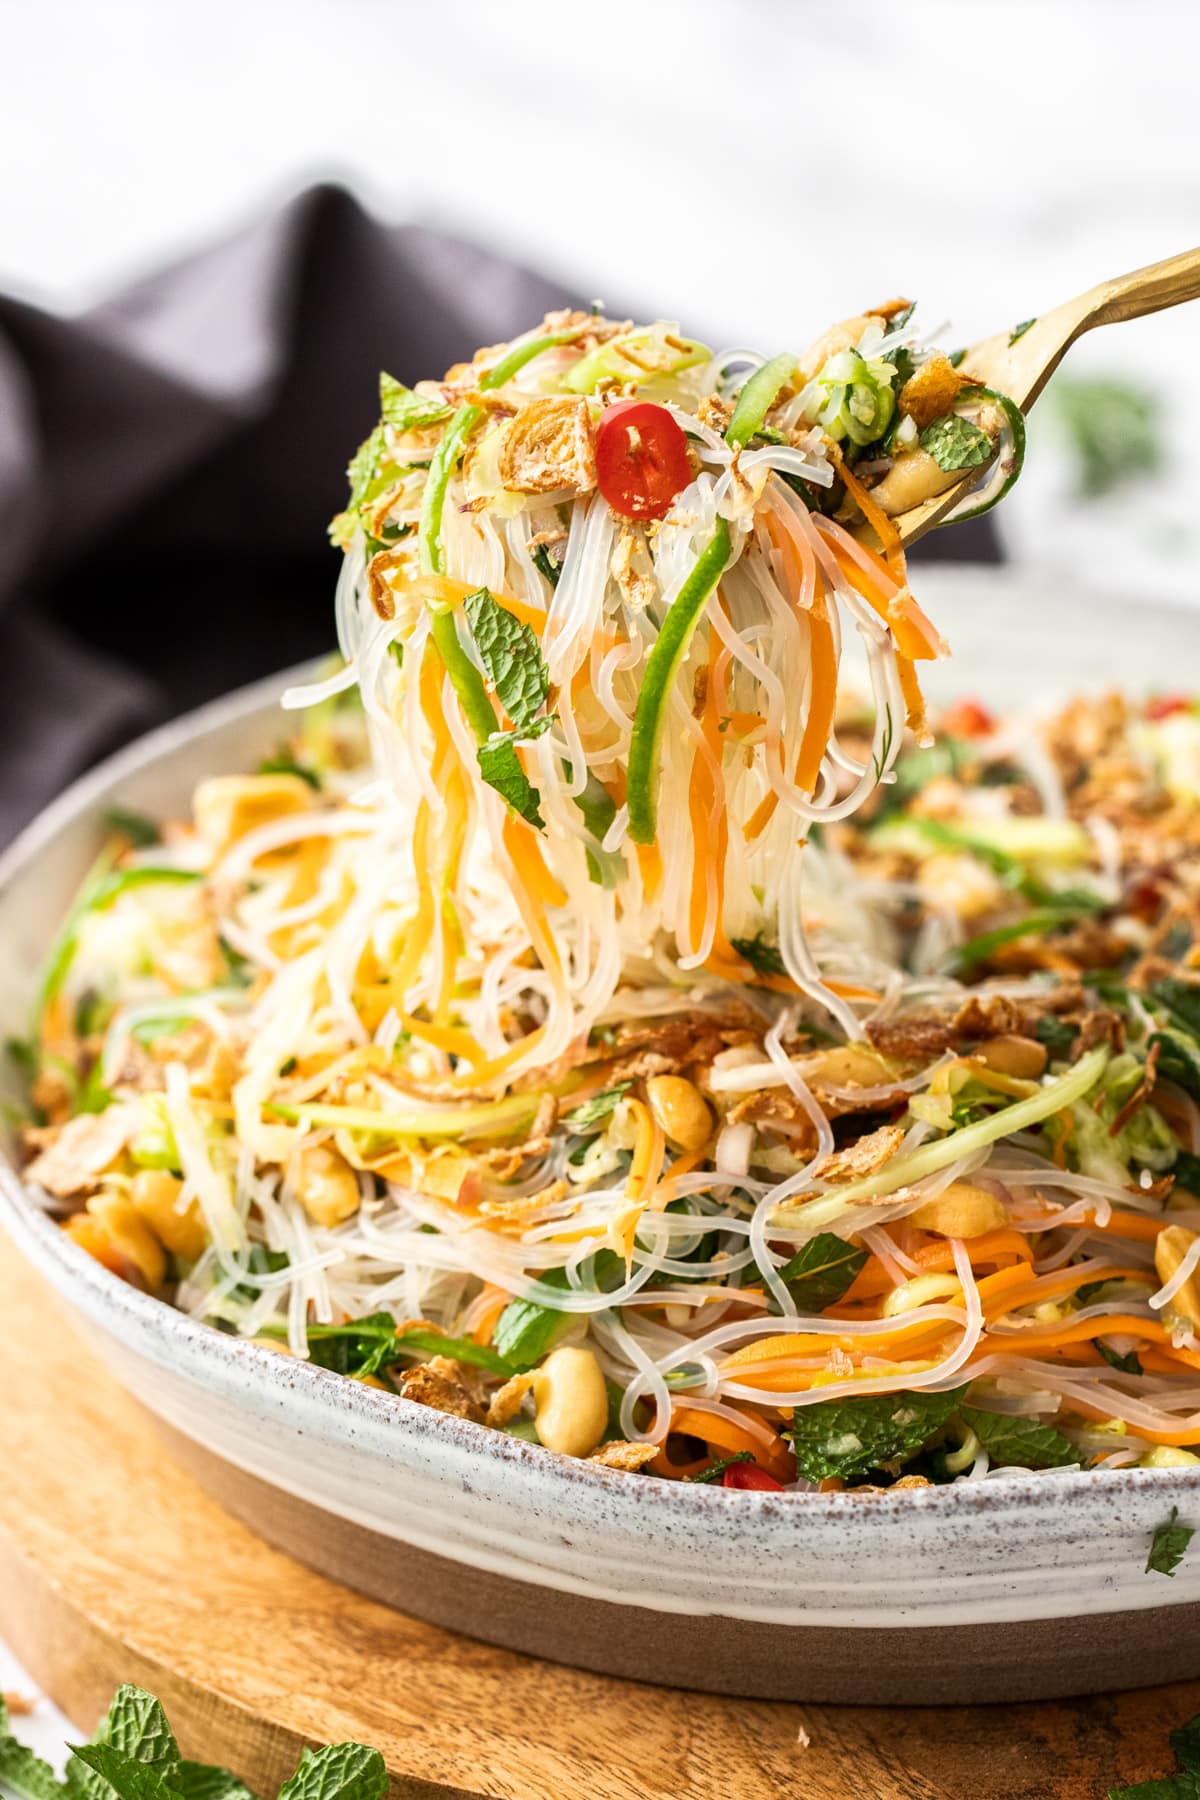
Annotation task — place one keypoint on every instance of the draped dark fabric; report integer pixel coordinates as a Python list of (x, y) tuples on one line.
[(169, 461)]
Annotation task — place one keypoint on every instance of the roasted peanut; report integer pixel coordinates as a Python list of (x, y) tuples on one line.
[(131, 1237), (571, 1401), (1167, 1456), (226, 807), (1170, 1247), (961, 1211), (155, 1195), (680, 1108), (326, 1186), (1013, 1055)]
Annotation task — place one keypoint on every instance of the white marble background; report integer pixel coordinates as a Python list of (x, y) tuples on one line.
[(755, 166)]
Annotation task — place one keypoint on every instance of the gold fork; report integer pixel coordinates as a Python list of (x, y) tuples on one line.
[(1020, 365)]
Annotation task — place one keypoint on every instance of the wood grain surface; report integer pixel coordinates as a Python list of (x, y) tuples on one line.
[(114, 1566)]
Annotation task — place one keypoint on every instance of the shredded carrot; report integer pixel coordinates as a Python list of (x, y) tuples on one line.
[(873, 513), (760, 1439), (497, 1300), (914, 699), (649, 1149)]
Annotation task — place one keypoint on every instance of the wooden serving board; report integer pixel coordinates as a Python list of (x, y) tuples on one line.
[(114, 1566)]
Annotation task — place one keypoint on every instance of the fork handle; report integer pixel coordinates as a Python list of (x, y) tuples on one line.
[(1145, 290)]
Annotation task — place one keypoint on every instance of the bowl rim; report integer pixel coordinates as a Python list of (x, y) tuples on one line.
[(113, 1299)]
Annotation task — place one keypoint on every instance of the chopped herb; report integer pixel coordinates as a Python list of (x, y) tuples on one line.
[(526, 1331), (1178, 1059), (511, 656), (1186, 1170), (406, 411), (1018, 331), (139, 828), (1057, 1036), (1130, 1364), (762, 955), (545, 564), (364, 467), (287, 1066), (1181, 999), (715, 1470), (284, 763), (822, 1271), (956, 358), (1113, 428), (1013, 1442), (21, 1772), (592, 1112), (955, 443), (979, 949), (417, 1342), (1168, 1545), (847, 1438), (260, 1261), (396, 652)]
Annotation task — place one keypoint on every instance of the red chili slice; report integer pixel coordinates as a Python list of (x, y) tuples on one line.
[(1163, 705), (749, 1475), (641, 459), (968, 719)]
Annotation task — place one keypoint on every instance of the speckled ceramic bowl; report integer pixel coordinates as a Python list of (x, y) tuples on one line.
[(1018, 1587)]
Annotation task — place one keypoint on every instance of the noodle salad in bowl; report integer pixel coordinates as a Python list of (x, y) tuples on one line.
[(604, 1021)]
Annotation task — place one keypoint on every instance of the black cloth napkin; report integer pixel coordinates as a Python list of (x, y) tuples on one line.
[(169, 461)]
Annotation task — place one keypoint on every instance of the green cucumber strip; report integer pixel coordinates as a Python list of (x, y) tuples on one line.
[(1034, 924), (102, 887), (757, 396), (433, 501), (902, 1171), (516, 359), (663, 665)]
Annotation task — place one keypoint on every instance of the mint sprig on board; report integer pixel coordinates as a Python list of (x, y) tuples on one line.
[(134, 1756)]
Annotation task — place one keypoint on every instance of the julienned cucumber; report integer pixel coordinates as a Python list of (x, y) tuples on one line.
[(1063, 1091), (1015, 420), (757, 396), (668, 653)]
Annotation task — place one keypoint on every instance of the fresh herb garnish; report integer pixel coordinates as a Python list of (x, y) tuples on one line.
[(1018, 331), (822, 1271), (1057, 1036), (1013, 1442), (761, 953), (545, 564), (590, 1113), (955, 443), (501, 768), (1168, 1545), (715, 1470), (284, 763), (1184, 1784), (406, 411), (1186, 1170), (847, 1438), (511, 656), (526, 1331), (134, 1756), (139, 828), (1129, 1364)]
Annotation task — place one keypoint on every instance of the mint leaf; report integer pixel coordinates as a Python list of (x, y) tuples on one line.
[(1018, 331), (364, 466), (415, 1342), (407, 411), (1181, 999), (338, 1772), (526, 1331), (358, 1347), (590, 1112), (1186, 1744), (501, 768), (955, 443), (136, 1725), (511, 656), (762, 955), (1178, 1059), (21, 1771), (1019, 1443), (545, 564), (207, 1781), (821, 1271), (284, 763), (103, 1772), (1168, 1545), (848, 1437)]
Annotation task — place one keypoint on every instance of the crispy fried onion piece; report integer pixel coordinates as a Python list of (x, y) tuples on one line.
[(620, 1454), (71, 1158), (447, 1386), (862, 1157)]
